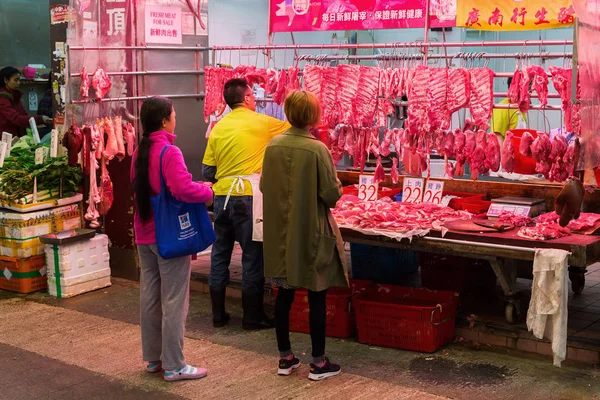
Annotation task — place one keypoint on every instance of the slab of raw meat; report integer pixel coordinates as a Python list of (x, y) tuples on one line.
[(447, 149), (459, 89), (379, 172), (540, 82), (514, 91), (559, 147), (397, 140), (460, 141), (394, 171), (373, 146), (101, 83), (272, 81), (281, 91), (585, 222), (312, 79), (508, 153), (214, 81), (571, 157), (347, 88), (365, 102), (384, 148), (524, 96), (525, 146), (492, 153), (482, 96), (417, 102), (328, 97), (437, 111), (293, 80), (561, 79), (84, 89), (450, 169), (350, 139), (337, 141), (540, 150)]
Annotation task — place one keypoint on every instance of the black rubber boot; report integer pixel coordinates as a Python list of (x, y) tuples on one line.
[(254, 315), (220, 317)]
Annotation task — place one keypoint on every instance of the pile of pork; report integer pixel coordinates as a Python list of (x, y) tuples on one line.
[(356, 100), (98, 144)]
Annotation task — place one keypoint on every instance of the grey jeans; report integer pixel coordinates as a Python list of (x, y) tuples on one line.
[(164, 301)]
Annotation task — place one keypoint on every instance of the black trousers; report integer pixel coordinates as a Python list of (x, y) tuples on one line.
[(317, 320)]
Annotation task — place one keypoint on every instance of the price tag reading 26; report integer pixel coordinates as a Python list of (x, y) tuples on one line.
[(412, 190), (433, 192), (367, 188)]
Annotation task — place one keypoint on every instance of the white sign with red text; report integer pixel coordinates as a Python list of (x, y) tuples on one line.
[(367, 188), (163, 25), (412, 190), (433, 192)]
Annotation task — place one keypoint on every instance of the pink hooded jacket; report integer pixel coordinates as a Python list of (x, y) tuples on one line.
[(176, 176)]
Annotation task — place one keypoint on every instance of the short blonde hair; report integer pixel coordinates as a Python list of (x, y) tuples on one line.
[(302, 109)]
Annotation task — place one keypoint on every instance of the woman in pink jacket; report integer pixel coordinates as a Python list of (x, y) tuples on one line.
[(164, 286)]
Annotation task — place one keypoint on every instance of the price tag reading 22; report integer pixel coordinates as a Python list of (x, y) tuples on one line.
[(367, 188), (433, 192), (412, 190)]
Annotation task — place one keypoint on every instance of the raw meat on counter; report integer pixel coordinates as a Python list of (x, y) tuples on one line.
[(399, 217), (84, 89), (516, 220), (586, 221), (544, 232), (101, 83)]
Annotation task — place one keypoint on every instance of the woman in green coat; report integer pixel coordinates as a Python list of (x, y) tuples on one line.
[(303, 246)]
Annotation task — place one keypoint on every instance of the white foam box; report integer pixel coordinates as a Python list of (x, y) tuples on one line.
[(83, 266), (69, 287), (78, 258)]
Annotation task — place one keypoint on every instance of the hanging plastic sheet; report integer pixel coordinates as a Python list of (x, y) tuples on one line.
[(588, 33)]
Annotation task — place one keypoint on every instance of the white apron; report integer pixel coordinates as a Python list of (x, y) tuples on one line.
[(257, 206)]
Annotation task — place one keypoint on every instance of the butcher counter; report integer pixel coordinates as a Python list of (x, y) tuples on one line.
[(501, 249)]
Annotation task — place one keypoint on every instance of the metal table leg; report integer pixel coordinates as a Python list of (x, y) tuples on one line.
[(506, 272), (577, 277)]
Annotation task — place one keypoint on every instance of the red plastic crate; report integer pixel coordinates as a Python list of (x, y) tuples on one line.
[(340, 315), (415, 319), (457, 202), (340, 322)]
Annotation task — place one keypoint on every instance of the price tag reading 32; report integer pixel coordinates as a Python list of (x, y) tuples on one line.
[(412, 190), (433, 192), (367, 188)]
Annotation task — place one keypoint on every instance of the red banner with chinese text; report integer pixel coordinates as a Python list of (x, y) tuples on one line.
[(331, 15), (507, 15)]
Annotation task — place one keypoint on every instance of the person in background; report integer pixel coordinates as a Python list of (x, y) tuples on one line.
[(303, 245), (232, 161), (45, 108), (164, 284), (13, 117), (507, 119)]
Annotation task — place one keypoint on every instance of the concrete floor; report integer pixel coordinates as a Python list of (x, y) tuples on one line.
[(88, 347)]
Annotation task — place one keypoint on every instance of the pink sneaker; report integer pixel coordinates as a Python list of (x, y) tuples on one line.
[(187, 372)]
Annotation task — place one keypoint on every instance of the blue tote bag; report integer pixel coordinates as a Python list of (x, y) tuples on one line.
[(182, 229)]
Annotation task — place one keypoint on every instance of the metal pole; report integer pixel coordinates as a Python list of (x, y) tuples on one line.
[(398, 45), (434, 56), (84, 48), (182, 72), (486, 245), (426, 33), (171, 96)]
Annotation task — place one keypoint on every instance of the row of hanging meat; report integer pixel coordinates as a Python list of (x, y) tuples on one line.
[(98, 144), (356, 100)]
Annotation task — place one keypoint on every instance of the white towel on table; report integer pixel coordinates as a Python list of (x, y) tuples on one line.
[(547, 315)]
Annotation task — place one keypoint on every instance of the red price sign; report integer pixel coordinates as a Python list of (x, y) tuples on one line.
[(367, 188), (433, 192), (412, 190)]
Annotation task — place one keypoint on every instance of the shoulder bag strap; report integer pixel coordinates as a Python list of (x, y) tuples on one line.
[(163, 186)]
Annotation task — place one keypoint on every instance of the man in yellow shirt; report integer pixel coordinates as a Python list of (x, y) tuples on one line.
[(232, 161), (507, 119)]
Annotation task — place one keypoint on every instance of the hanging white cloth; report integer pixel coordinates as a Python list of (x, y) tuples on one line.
[(547, 315)]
